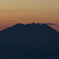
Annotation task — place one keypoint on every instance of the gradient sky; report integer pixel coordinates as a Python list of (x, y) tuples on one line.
[(28, 11)]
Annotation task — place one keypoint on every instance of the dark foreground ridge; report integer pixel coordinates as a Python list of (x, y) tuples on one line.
[(30, 41)]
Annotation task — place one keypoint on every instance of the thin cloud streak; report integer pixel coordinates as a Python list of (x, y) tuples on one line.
[(50, 24)]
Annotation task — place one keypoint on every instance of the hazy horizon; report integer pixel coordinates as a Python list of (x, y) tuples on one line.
[(49, 24), (28, 11)]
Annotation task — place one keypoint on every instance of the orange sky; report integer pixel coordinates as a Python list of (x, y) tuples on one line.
[(28, 11)]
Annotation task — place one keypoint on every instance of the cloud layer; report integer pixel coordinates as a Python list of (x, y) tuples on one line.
[(50, 23)]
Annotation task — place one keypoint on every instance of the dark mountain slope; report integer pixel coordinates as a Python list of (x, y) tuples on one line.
[(31, 39), (27, 31)]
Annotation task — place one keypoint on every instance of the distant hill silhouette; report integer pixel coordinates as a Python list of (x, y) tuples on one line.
[(31, 38)]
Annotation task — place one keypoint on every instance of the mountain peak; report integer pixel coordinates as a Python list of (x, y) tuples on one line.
[(33, 23), (45, 25), (19, 24)]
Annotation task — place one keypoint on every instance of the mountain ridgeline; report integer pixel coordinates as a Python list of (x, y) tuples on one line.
[(31, 39)]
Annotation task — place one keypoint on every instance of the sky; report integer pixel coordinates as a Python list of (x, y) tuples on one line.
[(28, 11)]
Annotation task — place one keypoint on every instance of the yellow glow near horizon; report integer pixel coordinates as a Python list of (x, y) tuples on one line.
[(27, 11)]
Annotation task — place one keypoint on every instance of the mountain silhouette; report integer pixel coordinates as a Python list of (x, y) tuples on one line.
[(33, 39)]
